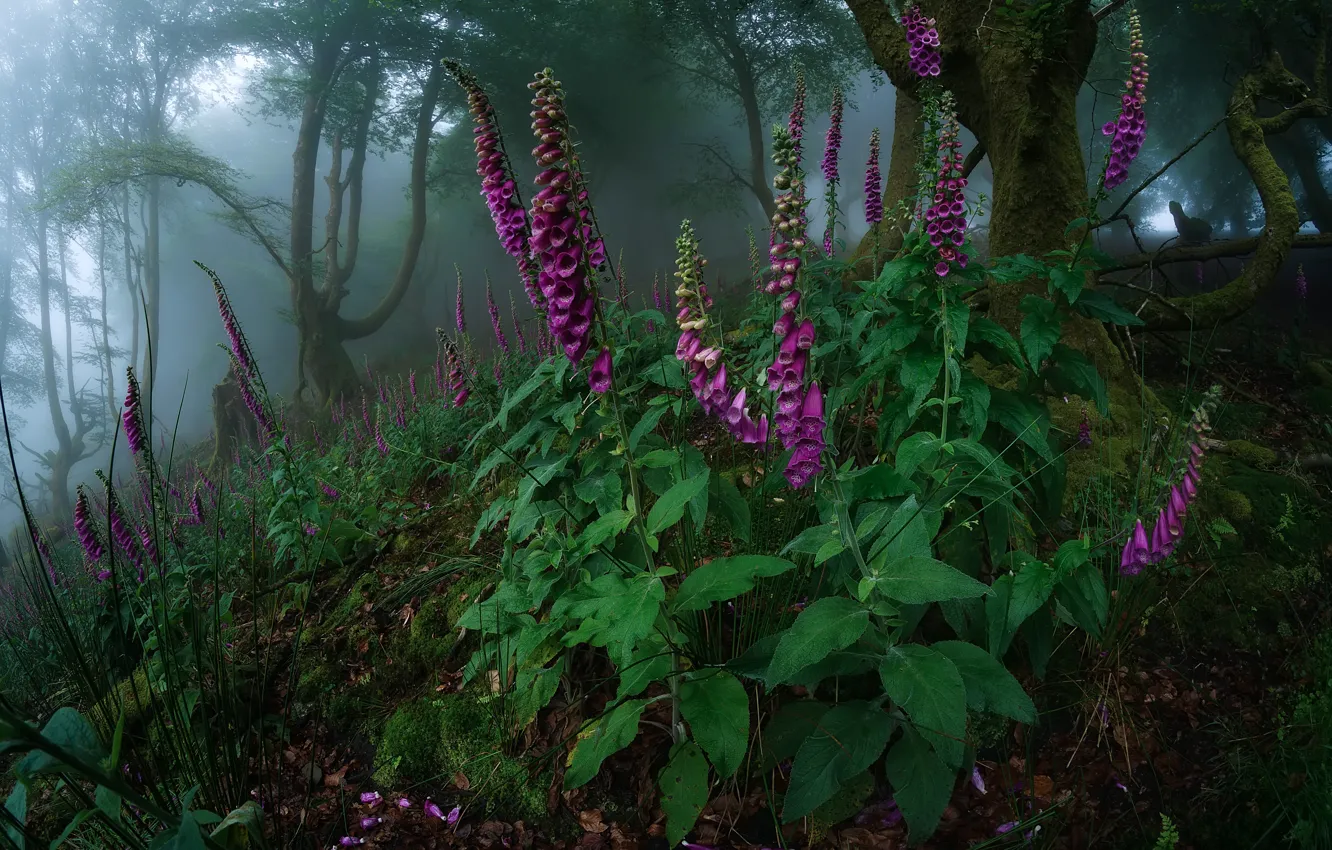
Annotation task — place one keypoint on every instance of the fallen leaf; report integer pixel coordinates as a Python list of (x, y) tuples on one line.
[(333, 780), (461, 782), (590, 820), (1043, 785)]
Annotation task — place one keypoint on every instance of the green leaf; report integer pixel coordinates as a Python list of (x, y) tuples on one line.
[(975, 397), (917, 579), (1098, 305), (645, 425), (603, 489), (990, 687), (1023, 418), (726, 578), (731, 506), (717, 708), (922, 784), (668, 509), (915, 450), (605, 527), (1084, 595), (812, 539), (666, 372), (74, 823), (991, 332), (1031, 588), (242, 827), (1071, 371), (684, 790), (513, 399), (72, 732), (849, 739), (928, 687), (649, 662), (1070, 555), (614, 612), (659, 459), (188, 836), (108, 802), (918, 374), (826, 625), (1040, 329), (1068, 281), (600, 739), (17, 806), (996, 615), (788, 729)]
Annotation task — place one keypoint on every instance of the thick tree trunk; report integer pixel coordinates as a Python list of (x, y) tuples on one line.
[(1297, 148), (758, 148), (58, 482)]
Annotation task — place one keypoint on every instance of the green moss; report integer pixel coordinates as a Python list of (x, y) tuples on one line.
[(1232, 504), (1252, 453), (431, 636), (360, 593), (436, 738), (407, 748)]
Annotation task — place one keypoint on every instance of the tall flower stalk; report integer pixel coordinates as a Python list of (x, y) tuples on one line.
[(1143, 549), (562, 239), (799, 416), (946, 218), (831, 149), (135, 434), (1127, 131), (517, 328), (498, 184), (922, 42), (495, 318), (459, 319), (700, 346), (874, 196)]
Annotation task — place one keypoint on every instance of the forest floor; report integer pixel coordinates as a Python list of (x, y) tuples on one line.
[(1181, 714)]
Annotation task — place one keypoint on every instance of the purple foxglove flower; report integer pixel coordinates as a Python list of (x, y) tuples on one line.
[(599, 379), (433, 810), (1178, 501), (833, 141), (1137, 552), (350, 841), (411, 383), (805, 335), (133, 415), (977, 781), (83, 527), (380, 442), (922, 42), (1301, 283), (452, 817), (404, 803), (495, 317), (146, 540), (1128, 130), (240, 349), (459, 320), (873, 184), (796, 124), (1084, 430), (371, 797), (368, 824), (1005, 827)]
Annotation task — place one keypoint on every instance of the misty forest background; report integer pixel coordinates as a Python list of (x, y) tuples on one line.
[(318, 157)]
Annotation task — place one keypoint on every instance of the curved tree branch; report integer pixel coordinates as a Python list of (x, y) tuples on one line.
[(1247, 132), (425, 128)]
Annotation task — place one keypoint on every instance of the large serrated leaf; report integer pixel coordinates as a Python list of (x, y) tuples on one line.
[(922, 784), (826, 625), (717, 708), (926, 684), (990, 687), (670, 506), (684, 790), (601, 739), (726, 578), (848, 739)]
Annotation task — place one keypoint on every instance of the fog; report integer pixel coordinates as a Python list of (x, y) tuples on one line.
[(82, 80)]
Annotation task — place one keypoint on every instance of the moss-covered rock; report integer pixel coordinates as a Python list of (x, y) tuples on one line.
[(361, 592), (439, 738), (1232, 504), (1251, 453)]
